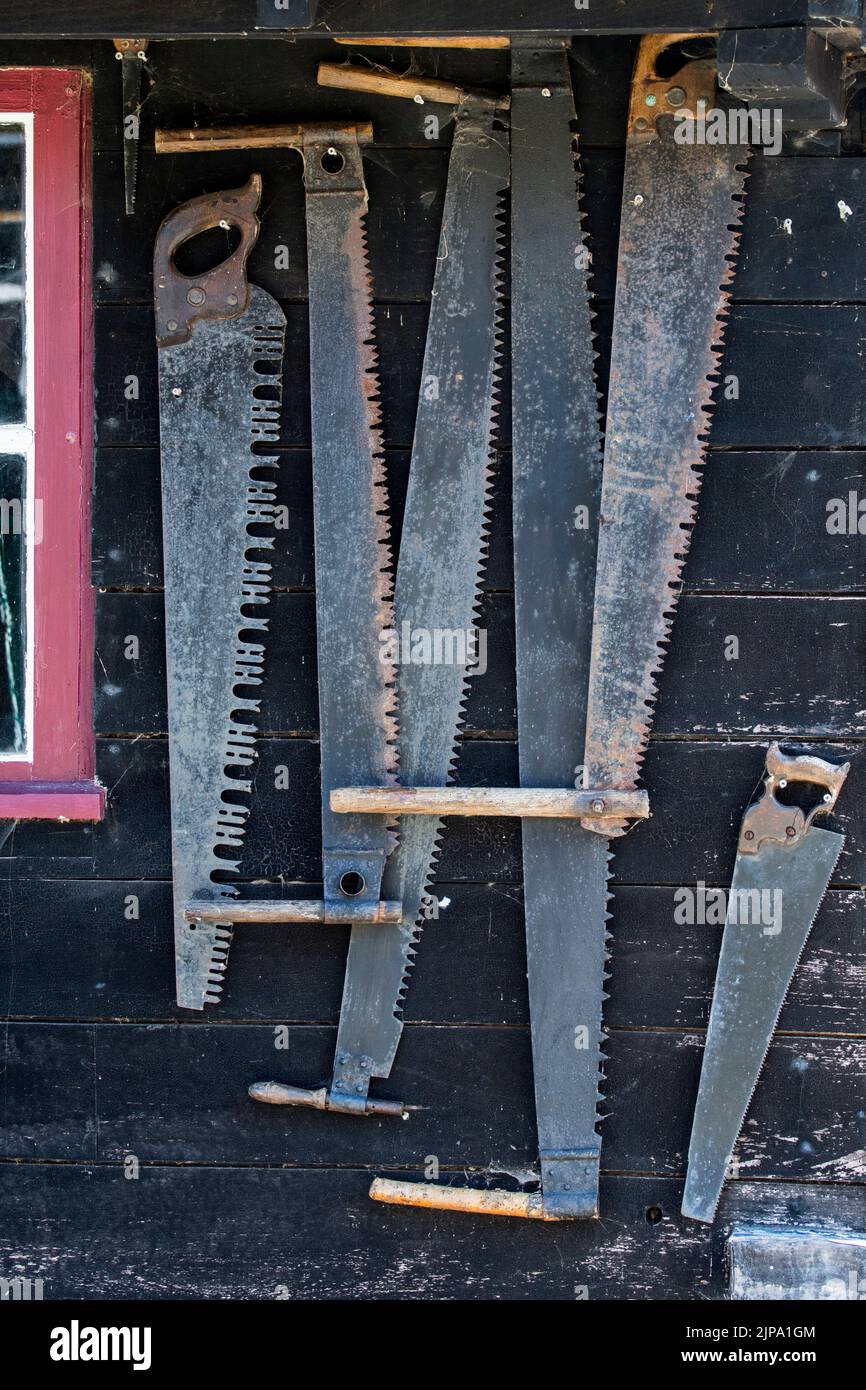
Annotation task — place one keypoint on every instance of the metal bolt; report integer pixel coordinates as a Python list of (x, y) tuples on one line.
[(196, 295), (675, 96), (171, 325), (598, 806), (344, 1057), (360, 1088), (750, 835), (641, 123), (231, 299)]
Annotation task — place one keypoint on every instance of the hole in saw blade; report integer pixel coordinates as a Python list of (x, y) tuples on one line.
[(206, 250), (352, 884)]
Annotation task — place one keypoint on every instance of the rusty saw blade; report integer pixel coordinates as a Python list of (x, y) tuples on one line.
[(357, 679), (220, 347), (681, 206), (441, 558)]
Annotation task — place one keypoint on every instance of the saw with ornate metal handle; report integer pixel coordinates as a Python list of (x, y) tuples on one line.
[(675, 257), (783, 867)]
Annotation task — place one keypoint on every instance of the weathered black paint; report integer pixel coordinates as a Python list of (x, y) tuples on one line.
[(84, 977)]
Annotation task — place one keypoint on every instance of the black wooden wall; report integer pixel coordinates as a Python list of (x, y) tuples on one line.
[(132, 1162)]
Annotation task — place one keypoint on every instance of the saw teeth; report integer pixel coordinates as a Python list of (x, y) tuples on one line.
[(248, 659), (413, 934), (385, 582), (705, 407)]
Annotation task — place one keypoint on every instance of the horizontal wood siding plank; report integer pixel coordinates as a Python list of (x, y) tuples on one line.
[(737, 665), (113, 959)]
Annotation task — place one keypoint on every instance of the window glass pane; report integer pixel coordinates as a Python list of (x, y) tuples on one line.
[(13, 609), (12, 275)]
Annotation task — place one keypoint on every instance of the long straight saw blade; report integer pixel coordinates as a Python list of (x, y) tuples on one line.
[(681, 206), (437, 587), (783, 867), (441, 557), (557, 480), (220, 346)]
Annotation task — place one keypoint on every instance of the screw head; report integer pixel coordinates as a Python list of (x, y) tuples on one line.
[(749, 835), (171, 325), (598, 806), (790, 831), (641, 123), (196, 295), (675, 96)]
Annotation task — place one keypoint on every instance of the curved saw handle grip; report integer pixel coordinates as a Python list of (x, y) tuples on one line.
[(653, 96), (782, 768), (220, 293), (772, 820)]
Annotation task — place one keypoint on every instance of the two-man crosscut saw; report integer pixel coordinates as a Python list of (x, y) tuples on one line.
[(675, 257), (783, 867), (220, 346)]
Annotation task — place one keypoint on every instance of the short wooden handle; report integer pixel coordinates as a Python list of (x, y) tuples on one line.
[(220, 293), (347, 78)]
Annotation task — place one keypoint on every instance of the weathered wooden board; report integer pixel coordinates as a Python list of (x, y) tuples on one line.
[(179, 1094), (804, 234), (763, 522), (114, 959), (796, 1265), (797, 368), (248, 1233), (722, 676)]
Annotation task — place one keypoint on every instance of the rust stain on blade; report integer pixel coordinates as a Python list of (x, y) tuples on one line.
[(681, 209)]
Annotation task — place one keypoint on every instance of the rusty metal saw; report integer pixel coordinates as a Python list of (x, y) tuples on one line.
[(678, 237), (783, 866)]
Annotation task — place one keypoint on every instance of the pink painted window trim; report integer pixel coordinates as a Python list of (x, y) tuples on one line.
[(59, 781)]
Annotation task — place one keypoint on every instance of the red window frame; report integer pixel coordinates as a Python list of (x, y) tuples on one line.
[(57, 782)]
